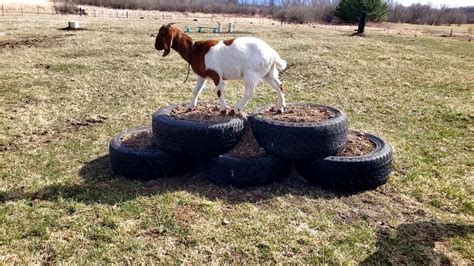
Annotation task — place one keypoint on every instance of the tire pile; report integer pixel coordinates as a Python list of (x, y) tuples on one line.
[(181, 146)]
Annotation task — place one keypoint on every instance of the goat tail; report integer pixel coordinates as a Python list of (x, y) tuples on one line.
[(280, 63)]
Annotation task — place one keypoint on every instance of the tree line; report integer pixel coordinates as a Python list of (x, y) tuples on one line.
[(304, 11)]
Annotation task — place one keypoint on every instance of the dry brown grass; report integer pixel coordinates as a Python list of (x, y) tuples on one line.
[(64, 97)]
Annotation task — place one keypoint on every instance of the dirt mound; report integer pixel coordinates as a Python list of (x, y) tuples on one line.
[(247, 146), (300, 113), (357, 145), (140, 141), (205, 112)]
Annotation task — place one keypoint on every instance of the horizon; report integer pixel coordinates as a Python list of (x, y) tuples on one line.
[(438, 3), (434, 3)]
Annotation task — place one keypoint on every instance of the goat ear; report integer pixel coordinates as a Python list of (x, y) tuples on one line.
[(169, 24), (167, 44)]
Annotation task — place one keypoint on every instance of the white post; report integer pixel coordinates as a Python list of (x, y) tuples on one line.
[(231, 27), (219, 27)]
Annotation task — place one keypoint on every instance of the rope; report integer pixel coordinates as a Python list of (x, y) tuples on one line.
[(189, 62)]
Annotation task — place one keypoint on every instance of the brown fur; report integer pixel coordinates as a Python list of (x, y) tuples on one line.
[(229, 41), (182, 43)]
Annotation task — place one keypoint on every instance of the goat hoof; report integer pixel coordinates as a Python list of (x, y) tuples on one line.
[(189, 110), (232, 112), (223, 112), (275, 109), (215, 108), (279, 112)]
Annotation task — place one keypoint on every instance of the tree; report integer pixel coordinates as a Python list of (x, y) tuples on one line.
[(349, 10)]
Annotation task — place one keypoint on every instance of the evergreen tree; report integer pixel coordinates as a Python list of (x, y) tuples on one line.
[(349, 10)]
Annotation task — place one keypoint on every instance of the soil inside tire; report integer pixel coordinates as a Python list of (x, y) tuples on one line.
[(247, 146), (206, 113), (300, 113), (357, 145), (140, 141)]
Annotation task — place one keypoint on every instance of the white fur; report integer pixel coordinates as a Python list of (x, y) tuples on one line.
[(247, 58)]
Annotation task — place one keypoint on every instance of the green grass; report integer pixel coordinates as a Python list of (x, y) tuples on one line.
[(61, 202)]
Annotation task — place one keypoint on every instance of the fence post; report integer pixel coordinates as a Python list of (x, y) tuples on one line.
[(363, 15), (451, 34), (38, 9), (116, 13), (21, 8), (3, 13)]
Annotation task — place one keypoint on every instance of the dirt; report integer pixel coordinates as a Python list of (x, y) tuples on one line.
[(43, 135), (88, 122), (357, 145), (247, 146), (140, 141), (39, 41), (300, 114), (207, 113)]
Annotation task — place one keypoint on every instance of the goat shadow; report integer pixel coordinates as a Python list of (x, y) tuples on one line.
[(414, 243), (101, 185)]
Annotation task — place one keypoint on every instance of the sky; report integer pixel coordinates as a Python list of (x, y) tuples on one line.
[(437, 3)]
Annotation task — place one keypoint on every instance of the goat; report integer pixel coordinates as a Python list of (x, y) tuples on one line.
[(247, 58)]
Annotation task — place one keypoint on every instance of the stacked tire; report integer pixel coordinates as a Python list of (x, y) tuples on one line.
[(180, 145), (313, 147)]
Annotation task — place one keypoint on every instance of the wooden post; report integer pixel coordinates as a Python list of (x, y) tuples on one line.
[(3, 13), (362, 20), (127, 14), (21, 8), (451, 34), (116, 13), (38, 9), (95, 15)]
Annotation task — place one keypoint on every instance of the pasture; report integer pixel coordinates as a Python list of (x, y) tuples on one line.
[(65, 94)]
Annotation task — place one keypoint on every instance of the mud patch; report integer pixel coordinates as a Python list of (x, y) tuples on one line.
[(88, 122), (41, 136), (30, 42)]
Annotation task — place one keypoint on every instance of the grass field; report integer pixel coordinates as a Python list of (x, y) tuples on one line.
[(65, 94)]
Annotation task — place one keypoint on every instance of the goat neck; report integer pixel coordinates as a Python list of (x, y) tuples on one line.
[(183, 44)]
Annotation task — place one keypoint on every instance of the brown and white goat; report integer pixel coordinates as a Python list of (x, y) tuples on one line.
[(247, 58)]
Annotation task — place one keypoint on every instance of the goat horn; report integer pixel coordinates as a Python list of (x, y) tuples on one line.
[(169, 24)]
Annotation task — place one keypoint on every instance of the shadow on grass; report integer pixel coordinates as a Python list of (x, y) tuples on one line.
[(414, 243), (101, 185)]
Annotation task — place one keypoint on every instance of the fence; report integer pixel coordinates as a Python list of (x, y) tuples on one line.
[(93, 11), (17, 10)]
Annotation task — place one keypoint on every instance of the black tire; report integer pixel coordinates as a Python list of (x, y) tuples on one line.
[(246, 171), (290, 140), (144, 164), (350, 173), (195, 138)]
